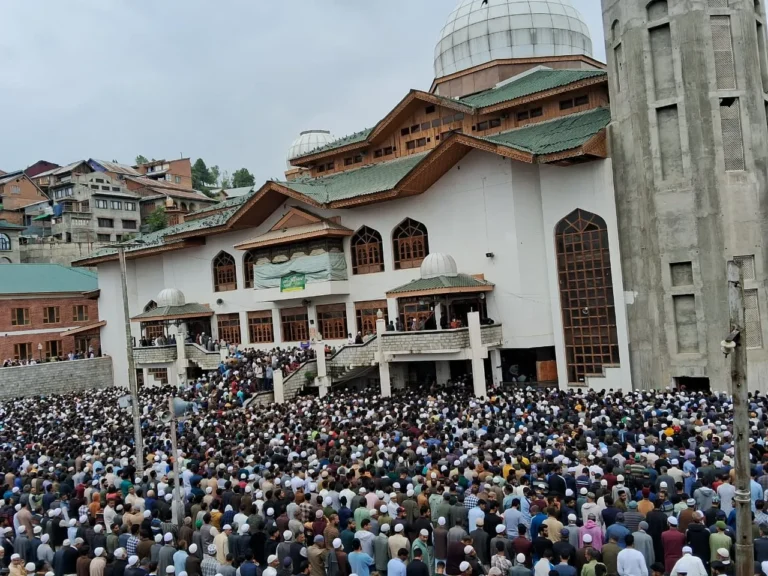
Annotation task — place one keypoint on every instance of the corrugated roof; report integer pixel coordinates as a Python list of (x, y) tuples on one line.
[(359, 182), (46, 279), (228, 203), (189, 194), (564, 133), (235, 192), (441, 283), (11, 176), (536, 81), (60, 169), (144, 181), (116, 167), (4, 224), (287, 235), (339, 142)]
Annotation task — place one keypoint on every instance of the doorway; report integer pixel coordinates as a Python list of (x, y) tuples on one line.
[(692, 384)]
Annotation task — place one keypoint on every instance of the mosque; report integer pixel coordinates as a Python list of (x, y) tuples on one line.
[(535, 216)]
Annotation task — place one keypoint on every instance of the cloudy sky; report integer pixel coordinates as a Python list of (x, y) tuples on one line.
[(231, 81)]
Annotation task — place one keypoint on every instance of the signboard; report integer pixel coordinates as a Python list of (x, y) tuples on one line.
[(292, 283)]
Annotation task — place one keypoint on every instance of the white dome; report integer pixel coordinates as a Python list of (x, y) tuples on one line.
[(307, 141), (478, 32), (437, 264), (170, 297)]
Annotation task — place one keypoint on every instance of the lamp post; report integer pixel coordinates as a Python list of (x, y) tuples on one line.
[(40, 351), (133, 387), (177, 410)]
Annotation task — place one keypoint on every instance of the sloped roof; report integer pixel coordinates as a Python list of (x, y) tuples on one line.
[(5, 225), (527, 84), (190, 310), (564, 133), (443, 285), (60, 169), (324, 228), (116, 167), (235, 192), (46, 279), (353, 183), (343, 141)]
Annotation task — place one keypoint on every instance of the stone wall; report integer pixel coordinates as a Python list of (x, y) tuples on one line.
[(294, 383), (155, 354), (56, 377), (491, 335), (425, 341), (204, 359), (58, 252)]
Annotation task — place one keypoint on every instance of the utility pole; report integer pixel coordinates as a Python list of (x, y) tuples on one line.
[(735, 343), (176, 477), (132, 385)]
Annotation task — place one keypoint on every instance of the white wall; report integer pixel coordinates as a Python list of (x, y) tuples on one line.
[(485, 203)]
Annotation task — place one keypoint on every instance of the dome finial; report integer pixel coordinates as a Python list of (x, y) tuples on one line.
[(308, 141), (437, 264)]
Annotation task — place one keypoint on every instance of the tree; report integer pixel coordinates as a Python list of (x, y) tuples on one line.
[(141, 159), (242, 178), (215, 173), (226, 181), (201, 176), (157, 220)]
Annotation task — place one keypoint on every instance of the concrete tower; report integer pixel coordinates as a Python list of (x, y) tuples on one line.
[(689, 141)]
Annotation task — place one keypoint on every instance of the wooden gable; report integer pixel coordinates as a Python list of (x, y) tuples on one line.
[(294, 218)]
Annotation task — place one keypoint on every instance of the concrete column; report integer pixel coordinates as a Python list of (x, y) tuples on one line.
[(399, 372), (438, 317), (442, 371), (351, 319), (384, 377), (277, 384), (277, 326), (478, 354), (321, 379), (312, 319), (496, 366), (245, 337), (181, 353), (392, 310)]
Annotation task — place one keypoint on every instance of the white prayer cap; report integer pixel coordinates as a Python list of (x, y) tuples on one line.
[(587, 538), (287, 535), (192, 548), (243, 529), (383, 509), (399, 528), (337, 543), (672, 521), (15, 556), (270, 512), (468, 549), (168, 537), (441, 521), (30, 567), (72, 522), (464, 566), (158, 538), (272, 558), (37, 529), (572, 517), (147, 514), (99, 551), (687, 550), (44, 538), (170, 570), (97, 528), (423, 532), (83, 519), (133, 560), (521, 557), (384, 528)]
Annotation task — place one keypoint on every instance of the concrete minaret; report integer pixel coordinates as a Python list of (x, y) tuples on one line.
[(689, 141)]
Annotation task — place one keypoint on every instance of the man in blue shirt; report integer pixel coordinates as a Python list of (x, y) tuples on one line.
[(359, 561), (396, 566)]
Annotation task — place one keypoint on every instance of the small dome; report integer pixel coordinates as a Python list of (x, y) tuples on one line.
[(480, 31), (438, 264), (170, 297), (307, 141)]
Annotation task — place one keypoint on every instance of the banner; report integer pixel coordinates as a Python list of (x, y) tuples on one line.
[(292, 283)]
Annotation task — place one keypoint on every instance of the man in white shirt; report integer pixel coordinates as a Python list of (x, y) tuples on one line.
[(630, 561), (688, 565)]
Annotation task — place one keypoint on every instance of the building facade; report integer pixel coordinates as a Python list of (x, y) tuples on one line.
[(47, 311), (497, 201), (689, 86)]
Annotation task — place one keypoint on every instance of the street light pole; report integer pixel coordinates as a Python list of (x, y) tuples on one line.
[(735, 343), (176, 477), (132, 384)]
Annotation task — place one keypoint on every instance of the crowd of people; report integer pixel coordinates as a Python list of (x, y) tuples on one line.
[(71, 355), (524, 483)]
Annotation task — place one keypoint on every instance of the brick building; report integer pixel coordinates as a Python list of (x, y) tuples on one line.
[(47, 310)]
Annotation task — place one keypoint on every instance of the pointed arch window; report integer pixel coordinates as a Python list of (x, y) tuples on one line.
[(248, 262), (586, 294), (410, 244), (224, 275), (5, 242), (367, 253)]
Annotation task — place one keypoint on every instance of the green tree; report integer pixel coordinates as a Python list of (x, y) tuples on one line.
[(201, 175), (242, 178), (215, 173), (157, 220), (141, 159)]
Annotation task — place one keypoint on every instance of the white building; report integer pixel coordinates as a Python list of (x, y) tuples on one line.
[(508, 175)]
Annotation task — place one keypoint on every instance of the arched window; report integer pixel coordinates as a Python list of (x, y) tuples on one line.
[(657, 9), (151, 305), (586, 294), (367, 256), (184, 206), (224, 277), (410, 244), (248, 262), (5, 242), (615, 32)]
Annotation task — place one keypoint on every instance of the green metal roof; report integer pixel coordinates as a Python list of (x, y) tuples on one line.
[(339, 142), (229, 203), (359, 182), (46, 279), (536, 81), (4, 224), (166, 311), (564, 133), (440, 283), (43, 217)]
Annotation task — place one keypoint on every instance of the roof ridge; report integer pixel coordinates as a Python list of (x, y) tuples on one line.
[(557, 119)]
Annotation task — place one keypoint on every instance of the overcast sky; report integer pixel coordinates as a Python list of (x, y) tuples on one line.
[(231, 81)]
